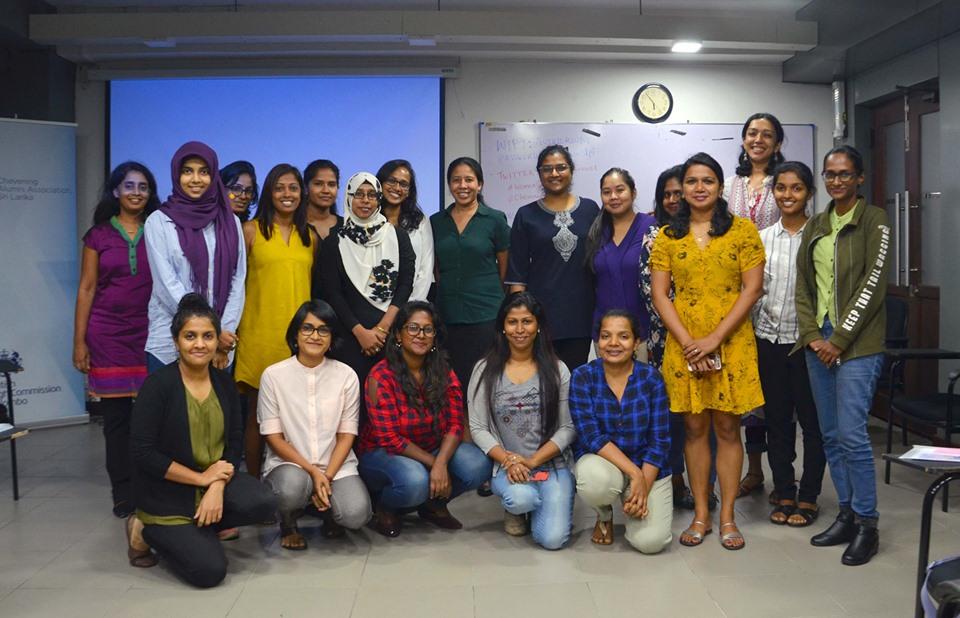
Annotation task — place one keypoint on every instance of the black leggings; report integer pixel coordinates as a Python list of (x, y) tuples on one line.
[(196, 554)]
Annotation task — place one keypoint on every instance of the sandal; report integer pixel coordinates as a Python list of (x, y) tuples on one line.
[(730, 536), (774, 497), (331, 529), (140, 558), (693, 534), (290, 538), (683, 499), (782, 512), (804, 515), (750, 483), (605, 531)]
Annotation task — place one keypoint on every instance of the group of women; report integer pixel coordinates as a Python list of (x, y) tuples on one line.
[(358, 398)]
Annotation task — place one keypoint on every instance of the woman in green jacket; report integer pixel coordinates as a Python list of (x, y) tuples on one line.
[(841, 284)]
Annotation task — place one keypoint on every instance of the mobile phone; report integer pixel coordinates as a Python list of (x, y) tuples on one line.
[(539, 476), (715, 362)]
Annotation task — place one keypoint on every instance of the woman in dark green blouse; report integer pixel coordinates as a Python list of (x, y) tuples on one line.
[(185, 440), (470, 251)]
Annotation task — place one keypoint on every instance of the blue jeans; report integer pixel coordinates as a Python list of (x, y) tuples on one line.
[(843, 394), (549, 502), (403, 484)]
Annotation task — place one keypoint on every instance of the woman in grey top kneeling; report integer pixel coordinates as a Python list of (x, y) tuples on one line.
[(519, 417)]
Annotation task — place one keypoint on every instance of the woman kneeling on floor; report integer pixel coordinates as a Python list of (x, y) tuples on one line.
[(521, 420), (309, 412), (185, 444), (620, 410), (411, 455)]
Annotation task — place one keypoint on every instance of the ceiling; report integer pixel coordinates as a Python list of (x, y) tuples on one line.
[(163, 36), (815, 41)]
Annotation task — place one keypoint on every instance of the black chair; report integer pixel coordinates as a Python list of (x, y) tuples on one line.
[(938, 411), (8, 429)]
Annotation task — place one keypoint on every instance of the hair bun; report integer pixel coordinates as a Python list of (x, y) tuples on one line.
[(193, 302)]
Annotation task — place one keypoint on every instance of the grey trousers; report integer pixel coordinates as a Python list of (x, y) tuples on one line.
[(292, 486), (600, 484)]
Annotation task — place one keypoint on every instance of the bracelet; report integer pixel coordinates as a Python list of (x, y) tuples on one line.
[(382, 329)]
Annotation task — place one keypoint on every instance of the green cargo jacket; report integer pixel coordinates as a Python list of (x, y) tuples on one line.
[(861, 262)]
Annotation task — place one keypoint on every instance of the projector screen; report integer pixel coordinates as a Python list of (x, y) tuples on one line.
[(357, 122)]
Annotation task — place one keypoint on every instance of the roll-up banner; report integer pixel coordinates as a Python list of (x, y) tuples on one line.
[(39, 269)]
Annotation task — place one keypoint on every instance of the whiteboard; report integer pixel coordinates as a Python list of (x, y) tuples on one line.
[(508, 154)]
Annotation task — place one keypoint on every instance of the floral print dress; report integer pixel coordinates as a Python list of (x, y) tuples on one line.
[(707, 283)]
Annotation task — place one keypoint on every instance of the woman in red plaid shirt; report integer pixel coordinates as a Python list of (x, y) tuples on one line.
[(411, 455)]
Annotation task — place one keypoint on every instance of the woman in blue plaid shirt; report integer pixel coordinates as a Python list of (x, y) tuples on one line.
[(620, 410)]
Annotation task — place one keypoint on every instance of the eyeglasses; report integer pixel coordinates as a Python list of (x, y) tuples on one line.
[(393, 182), (844, 176), (372, 196), (308, 329), (239, 190), (415, 329), (549, 169)]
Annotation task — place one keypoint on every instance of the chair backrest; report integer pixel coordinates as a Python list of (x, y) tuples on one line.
[(897, 314)]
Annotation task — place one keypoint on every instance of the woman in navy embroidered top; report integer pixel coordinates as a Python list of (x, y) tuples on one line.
[(548, 254)]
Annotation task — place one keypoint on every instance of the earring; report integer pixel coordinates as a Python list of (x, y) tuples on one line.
[(398, 344), (538, 331), (433, 349), (504, 332)]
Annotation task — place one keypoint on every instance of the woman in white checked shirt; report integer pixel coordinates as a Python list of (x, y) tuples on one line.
[(786, 385)]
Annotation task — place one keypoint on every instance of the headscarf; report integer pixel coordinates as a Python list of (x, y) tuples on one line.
[(369, 248), (192, 215)]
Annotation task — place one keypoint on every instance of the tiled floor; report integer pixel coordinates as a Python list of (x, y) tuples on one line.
[(63, 554)]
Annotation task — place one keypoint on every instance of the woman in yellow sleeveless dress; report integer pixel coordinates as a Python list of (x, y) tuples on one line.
[(710, 361), (280, 253)]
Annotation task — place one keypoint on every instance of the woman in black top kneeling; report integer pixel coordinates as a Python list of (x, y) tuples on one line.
[(185, 444)]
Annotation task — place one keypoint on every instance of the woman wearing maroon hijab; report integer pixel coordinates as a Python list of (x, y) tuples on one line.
[(194, 244)]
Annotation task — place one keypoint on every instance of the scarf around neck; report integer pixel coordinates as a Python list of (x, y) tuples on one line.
[(191, 216), (369, 248)]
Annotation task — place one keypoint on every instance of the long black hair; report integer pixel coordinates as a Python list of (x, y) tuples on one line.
[(721, 221), (659, 212), (603, 221), (266, 210), (324, 312), (410, 214), (231, 173), (109, 204), (322, 164), (545, 358), (431, 394), (744, 166)]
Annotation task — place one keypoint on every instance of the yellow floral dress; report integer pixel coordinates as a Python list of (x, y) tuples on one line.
[(707, 283)]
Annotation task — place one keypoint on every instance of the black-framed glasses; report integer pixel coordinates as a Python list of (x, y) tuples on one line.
[(393, 182), (549, 169), (415, 329), (844, 176), (308, 329), (239, 190), (371, 196)]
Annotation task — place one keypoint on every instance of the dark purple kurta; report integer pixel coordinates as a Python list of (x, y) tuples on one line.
[(617, 270), (117, 329)]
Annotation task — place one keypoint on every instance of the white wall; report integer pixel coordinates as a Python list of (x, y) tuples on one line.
[(591, 92)]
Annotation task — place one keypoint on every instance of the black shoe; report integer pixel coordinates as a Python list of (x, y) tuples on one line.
[(864, 546), (840, 531), (123, 509), (484, 490)]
